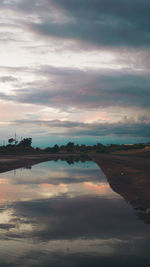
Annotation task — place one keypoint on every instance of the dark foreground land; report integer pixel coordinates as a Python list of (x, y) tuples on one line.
[(129, 176), (127, 173)]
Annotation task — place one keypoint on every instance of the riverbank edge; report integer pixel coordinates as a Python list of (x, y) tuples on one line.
[(12, 162), (109, 161)]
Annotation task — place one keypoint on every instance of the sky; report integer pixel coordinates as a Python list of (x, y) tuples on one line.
[(75, 70)]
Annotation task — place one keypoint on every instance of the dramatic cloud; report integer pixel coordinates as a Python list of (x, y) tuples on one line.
[(103, 23), (122, 128), (64, 87), (75, 61)]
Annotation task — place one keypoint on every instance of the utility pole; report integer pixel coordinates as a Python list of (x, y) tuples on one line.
[(16, 139)]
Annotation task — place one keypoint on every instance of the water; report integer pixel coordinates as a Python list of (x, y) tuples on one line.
[(62, 215)]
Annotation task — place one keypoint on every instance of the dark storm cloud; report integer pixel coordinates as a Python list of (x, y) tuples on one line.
[(52, 123), (6, 226), (85, 259), (96, 22), (122, 128), (66, 88), (100, 22), (117, 129)]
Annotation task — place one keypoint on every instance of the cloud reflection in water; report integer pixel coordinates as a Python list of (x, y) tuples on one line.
[(81, 222)]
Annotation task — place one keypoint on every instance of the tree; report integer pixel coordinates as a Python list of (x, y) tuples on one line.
[(26, 142), (55, 149), (11, 140), (100, 148), (83, 148), (70, 147)]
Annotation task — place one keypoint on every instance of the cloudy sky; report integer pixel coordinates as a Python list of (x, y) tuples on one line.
[(75, 70)]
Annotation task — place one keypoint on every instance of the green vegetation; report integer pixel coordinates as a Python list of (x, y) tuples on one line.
[(14, 147), (25, 146)]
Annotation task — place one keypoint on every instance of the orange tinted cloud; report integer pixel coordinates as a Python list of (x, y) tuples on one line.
[(96, 117), (96, 187), (46, 186)]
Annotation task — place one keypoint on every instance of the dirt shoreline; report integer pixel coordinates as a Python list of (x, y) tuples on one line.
[(129, 176), (116, 164), (12, 162)]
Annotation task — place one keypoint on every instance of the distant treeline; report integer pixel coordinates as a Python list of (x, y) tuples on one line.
[(25, 146)]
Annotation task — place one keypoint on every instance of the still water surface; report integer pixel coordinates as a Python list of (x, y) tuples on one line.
[(62, 215)]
